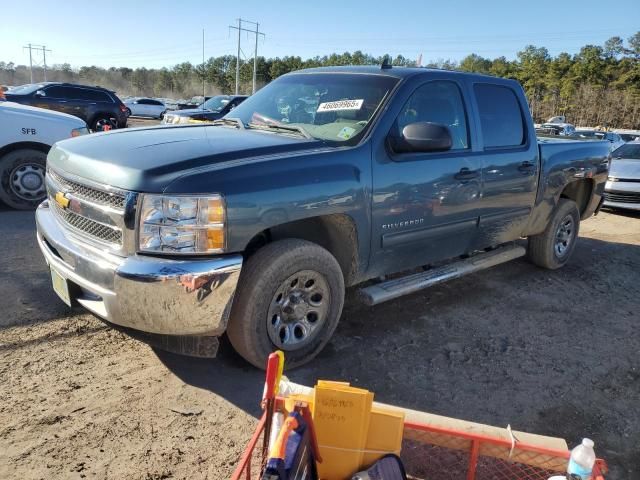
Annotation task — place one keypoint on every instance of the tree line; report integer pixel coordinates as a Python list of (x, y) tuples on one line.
[(599, 85)]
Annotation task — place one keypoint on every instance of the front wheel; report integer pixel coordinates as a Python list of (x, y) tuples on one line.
[(553, 248), (22, 178), (289, 298)]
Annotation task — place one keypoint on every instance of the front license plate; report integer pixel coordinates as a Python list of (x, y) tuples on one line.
[(60, 286)]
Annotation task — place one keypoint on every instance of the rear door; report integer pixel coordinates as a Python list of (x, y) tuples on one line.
[(426, 205), (510, 163)]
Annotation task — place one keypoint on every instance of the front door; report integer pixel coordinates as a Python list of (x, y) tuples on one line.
[(425, 206), (57, 97)]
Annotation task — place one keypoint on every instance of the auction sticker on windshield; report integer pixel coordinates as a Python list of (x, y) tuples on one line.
[(340, 105)]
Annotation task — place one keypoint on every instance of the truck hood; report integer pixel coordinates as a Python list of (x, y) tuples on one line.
[(148, 159), (625, 168), (41, 113)]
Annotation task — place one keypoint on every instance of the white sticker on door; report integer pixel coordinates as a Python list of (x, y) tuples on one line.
[(340, 105)]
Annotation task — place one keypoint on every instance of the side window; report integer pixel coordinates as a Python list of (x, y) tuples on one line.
[(500, 116), (438, 102), (57, 91), (95, 96), (143, 101)]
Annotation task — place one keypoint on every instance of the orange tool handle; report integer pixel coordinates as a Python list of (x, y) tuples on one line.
[(279, 448)]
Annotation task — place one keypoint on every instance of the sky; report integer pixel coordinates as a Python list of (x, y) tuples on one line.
[(161, 33)]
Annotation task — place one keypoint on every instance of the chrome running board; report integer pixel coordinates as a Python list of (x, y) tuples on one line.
[(397, 287)]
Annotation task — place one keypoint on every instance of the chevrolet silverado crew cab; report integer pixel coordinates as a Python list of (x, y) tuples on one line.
[(26, 135), (324, 179)]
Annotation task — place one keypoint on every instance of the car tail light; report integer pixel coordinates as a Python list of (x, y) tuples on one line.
[(123, 108)]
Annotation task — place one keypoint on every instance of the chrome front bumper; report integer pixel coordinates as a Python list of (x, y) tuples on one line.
[(150, 294)]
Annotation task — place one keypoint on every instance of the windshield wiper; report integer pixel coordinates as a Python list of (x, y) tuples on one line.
[(287, 128), (234, 122)]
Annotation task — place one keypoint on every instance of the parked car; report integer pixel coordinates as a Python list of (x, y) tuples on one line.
[(255, 224), (563, 129), (145, 107), (622, 189), (97, 106), (629, 136), (26, 135), (213, 109), (613, 138)]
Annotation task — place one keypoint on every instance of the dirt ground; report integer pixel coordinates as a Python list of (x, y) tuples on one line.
[(554, 353)]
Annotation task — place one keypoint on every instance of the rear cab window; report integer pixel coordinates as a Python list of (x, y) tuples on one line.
[(501, 119)]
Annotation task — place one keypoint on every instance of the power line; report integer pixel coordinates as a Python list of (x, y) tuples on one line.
[(257, 34)]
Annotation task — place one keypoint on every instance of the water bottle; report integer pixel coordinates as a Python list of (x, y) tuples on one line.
[(582, 460)]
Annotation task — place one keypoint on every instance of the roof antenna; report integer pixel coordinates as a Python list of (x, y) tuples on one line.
[(386, 62)]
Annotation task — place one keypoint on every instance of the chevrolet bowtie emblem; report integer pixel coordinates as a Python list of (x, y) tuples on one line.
[(61, 200)]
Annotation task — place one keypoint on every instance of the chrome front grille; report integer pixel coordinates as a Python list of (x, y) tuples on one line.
[(622, 197), (86, 226), (92, 210), (111, 199)]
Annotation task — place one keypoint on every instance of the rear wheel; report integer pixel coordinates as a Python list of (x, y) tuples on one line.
[(100, 122), (289, 297), (22, 178), (553, 248)]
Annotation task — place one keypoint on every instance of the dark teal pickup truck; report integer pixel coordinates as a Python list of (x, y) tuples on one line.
[(324, 179)]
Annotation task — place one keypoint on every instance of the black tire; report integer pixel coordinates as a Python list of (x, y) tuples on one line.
[(162, 115), (128, 112), (269, 270), (553, 248), (22, 178), (100, 121)]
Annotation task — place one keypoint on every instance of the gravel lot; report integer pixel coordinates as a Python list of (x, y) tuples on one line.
[(554, 353)]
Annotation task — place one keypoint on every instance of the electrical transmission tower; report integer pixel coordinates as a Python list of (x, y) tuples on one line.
[(41, 61), (257, 33)]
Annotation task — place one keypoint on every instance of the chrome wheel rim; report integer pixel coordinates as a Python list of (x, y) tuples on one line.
[(564, 236), (103, 122), (298, 310), (27, 181)]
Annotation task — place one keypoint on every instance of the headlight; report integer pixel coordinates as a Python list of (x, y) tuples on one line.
[(182, 225), (76, 132)]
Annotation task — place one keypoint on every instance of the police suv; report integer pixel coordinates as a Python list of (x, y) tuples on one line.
[(26, 135)]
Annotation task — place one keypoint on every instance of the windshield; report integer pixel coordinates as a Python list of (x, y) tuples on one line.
[(629, 150), (217, 103), (25, 89), (326, 106)]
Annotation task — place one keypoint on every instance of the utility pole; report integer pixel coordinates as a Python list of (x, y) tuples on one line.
[(238, 57), (44, 49), (203, 70), (44, 60), (257, 33), (30, 64)]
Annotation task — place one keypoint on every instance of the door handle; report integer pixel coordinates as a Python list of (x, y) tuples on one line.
[(466, 174), (526, 166)]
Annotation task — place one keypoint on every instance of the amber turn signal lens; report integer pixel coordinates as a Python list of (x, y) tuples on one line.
[(215, 238)]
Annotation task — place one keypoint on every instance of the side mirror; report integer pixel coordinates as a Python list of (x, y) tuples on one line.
[(40, 93), (423, 137)]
